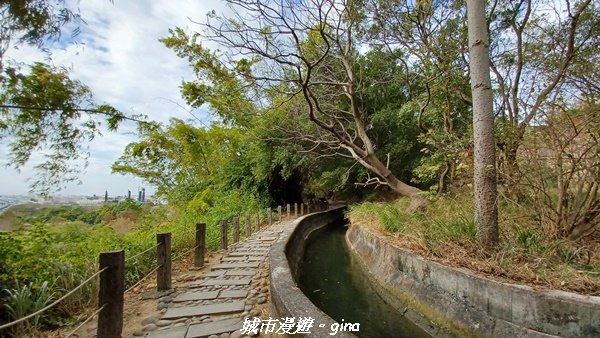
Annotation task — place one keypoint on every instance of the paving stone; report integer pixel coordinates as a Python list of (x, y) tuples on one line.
[(215, 273), (255, 252), (218, 327), (233, 294), (184, 297), (248, 253), (236, 265), (199, 310), (256, 258), (251, 253), (176, 332), (254, 246), (234, 258), (211, 282), (240, 272)]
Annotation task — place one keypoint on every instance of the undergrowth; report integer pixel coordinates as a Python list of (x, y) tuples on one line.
[(445, 232)]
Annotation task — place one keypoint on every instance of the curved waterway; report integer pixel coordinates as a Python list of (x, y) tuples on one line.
[(339, 287)]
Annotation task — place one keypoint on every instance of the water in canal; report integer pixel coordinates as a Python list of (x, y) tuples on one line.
[(337, 285)]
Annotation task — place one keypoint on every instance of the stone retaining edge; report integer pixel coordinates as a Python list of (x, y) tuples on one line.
[(467, 304), (287, 300)]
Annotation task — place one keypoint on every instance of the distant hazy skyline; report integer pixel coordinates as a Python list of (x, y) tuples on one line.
[(119, 57)]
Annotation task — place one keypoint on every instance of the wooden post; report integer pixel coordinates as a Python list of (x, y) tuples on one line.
[(301, 209), (163, 258), (308, 207), (236, 229), (110, 294), (224, 234), (200, 245), (288, 211), (269, 216), (257, 222), (296, 210), (279, 213), (248, 226)]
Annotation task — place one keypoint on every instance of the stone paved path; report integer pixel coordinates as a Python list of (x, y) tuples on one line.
[(215, 304)]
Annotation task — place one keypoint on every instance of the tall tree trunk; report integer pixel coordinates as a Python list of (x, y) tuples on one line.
[(486, 208)]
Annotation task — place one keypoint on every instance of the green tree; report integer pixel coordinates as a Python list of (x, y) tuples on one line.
[(41, 109), (433, 38), (45, 111), (312, 55), (180, 160), (32, 22)]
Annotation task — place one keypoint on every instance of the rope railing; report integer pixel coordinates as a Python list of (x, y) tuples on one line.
[(141, 253), (142, 279), (181, 254), (85, 321), (63, 297)]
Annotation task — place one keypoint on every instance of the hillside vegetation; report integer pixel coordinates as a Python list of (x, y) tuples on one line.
[(59, 248)]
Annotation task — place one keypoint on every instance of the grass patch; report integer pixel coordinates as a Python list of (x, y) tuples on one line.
[(445, 232)]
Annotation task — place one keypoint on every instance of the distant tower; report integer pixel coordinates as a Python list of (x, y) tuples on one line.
[(128, 194), (143, 194), (105, 196)]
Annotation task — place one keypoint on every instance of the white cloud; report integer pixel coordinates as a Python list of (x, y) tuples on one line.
[(119, 57)]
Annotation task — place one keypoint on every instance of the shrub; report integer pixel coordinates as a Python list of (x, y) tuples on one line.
[(24, 300)]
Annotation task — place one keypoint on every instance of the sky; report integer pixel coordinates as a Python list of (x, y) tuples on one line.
[(119, 57)]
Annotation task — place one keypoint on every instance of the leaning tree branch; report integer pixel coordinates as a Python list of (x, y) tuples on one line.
[(84, 110)]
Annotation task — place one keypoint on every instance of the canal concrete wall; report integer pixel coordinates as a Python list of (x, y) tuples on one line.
[(467, 304), (287, 300)]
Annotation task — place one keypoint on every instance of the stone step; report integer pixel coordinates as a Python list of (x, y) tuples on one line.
[(215, 273), (256, 258), (254, 246), (233, 294), (249, 253), (175, 332), (236, 265), (200, 310), (240, 272), (263, 239), (203, 330), (204, 295), (220, 282), (184, 297), (234, 258), (243, 258)]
